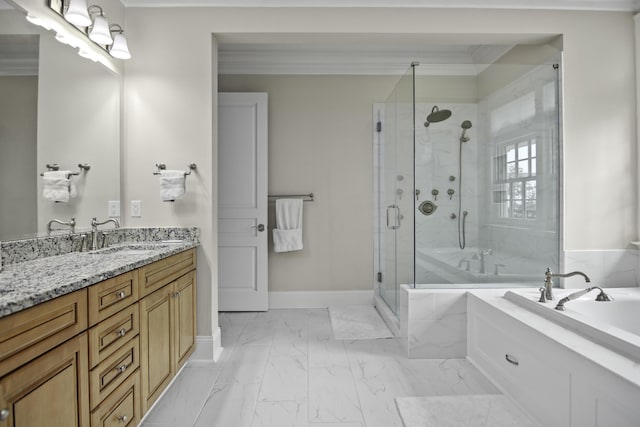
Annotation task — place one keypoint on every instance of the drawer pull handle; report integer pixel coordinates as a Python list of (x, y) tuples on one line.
[(511, 359), (123, 418), (121, 332), (4, 414), (121, 368), (120, 294)]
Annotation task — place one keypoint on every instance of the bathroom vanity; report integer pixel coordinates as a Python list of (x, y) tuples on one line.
[(92, 339)]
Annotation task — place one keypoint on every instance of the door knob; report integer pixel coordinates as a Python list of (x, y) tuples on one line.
[(259, 227)]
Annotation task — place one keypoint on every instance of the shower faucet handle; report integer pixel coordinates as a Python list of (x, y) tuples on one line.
[(435, 193), (451, 192), (417, 195)]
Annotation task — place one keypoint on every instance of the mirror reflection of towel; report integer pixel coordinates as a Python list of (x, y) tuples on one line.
[(172, 185), (57, 187), (287, 236)]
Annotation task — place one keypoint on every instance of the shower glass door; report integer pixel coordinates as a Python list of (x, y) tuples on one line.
[(396, 191)]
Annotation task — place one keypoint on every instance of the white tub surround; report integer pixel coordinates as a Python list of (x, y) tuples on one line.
[(434, 322), (614, 268), (611, 323), (560, 377)]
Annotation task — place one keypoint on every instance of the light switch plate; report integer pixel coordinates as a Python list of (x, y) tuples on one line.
[(113, 208), (136, 208)]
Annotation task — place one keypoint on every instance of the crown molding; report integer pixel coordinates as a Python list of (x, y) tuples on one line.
[(590, 5)]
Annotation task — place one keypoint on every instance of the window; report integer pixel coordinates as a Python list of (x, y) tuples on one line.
[(515, 176)]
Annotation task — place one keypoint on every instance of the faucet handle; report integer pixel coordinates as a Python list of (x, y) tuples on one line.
[(543, 298)]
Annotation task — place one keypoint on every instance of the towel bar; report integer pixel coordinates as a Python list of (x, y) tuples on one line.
[(55, 167), (162, 166), (305, 197)]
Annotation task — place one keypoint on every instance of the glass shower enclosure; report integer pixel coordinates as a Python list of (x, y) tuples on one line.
[(468, 176)]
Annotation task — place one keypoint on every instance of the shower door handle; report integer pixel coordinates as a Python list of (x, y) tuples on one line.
[(396, 217), (259, 227)]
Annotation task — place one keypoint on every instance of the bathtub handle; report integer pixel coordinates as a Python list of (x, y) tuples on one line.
[(511, 359)]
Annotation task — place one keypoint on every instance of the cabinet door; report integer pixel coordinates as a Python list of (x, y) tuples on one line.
[(51, 390), (185, 317), (156, 344)]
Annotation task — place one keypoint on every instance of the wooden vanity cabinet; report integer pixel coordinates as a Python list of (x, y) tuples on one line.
[(100, 356), (51, 390), (167, 333)]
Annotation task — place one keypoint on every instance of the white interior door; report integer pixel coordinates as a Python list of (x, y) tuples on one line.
[(242, 202)]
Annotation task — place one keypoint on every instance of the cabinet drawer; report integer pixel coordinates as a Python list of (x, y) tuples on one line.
[(156, 275), (112, 372), (108, 297), (111, 334), (122, 407), (29, 333)]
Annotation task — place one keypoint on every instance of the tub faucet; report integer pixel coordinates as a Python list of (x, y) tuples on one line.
[(94, 230), (71, 224), (601, 297), (548, 283), (480, 257)]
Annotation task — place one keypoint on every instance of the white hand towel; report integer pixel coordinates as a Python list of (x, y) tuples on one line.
[(287, 236), (56, 186), (172, 185)]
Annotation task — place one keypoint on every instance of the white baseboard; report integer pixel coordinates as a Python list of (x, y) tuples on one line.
[(208, 349), (319, 299)]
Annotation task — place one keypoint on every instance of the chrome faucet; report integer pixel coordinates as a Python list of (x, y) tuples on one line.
[(601, 297), (94, 230), (71, 224), (548, 283), (480, 257)]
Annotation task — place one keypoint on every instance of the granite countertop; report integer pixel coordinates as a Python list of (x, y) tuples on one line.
[(25, 284)]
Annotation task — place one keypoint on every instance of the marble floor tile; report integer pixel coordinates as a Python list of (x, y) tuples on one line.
[(358, 322), (280, 414), (333, 396), (285, 368), (245, 365), (181, 403), (285, 379), (229, 405), (457, 411)]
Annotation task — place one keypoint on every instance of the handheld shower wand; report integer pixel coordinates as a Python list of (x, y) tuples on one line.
[(462, 219)]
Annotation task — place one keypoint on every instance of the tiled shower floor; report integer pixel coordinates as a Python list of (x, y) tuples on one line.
[(283, 368)]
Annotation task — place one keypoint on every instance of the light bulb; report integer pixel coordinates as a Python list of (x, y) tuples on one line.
[(119, 47), (100, 31), (77, 13)]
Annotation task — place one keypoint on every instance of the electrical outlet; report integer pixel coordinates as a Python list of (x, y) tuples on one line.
[(136, 208), (113, 208)]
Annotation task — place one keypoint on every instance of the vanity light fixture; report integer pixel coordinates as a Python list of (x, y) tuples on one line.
[(77, 13), (119, 47), (37, 21), (99, 31)]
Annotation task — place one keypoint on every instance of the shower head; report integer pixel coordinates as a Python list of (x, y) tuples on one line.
[(465, 125), (437, 115)]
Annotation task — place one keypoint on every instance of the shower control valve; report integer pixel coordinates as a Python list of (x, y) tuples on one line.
[(453, 216), (450, 192), (417, 195), (435, 193)]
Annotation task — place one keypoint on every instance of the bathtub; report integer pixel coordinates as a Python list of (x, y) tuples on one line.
[(453, 266), (613, 324)]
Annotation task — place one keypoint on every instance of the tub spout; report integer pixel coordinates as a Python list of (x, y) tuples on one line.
[(602, 296), (548, 282)]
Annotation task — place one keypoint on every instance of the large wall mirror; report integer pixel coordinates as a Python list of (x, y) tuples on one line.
[(55, 108)]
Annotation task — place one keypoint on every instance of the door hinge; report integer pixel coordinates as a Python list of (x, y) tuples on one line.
[(379, 276), (379, 127)]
